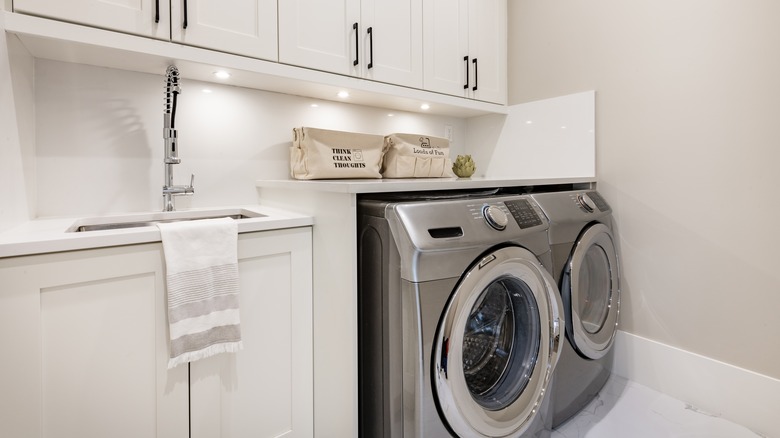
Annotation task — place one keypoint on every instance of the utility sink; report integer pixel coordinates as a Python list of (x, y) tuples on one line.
[(139, 220)]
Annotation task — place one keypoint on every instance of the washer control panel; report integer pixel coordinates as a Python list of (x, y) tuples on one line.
[(496, 214), (524, 213)]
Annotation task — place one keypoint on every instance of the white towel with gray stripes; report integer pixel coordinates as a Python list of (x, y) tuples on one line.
[(201, 263)]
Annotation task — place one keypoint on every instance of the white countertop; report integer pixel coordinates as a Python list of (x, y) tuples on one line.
[(413, 184), (53, 235)]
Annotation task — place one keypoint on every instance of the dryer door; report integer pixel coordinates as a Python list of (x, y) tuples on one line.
[(591, 292), (496, 345)]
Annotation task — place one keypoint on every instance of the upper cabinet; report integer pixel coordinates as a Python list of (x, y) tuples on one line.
[(139, 17), (448, 54), (244, 27), (379, 40), (465, 48)]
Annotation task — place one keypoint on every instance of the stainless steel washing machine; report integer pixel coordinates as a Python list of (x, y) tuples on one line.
[(585, 265), (460, 321)]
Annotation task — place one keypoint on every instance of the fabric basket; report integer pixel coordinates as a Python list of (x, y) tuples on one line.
[(325, 154), (416, 156)]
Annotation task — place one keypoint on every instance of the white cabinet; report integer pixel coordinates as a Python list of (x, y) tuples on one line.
[(320, 34), (139, 17), (244, 27), (265, 390), (465, 48), (85, 334), (85, 347), (379, 40)]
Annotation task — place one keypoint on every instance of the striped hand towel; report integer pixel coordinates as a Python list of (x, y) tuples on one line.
[(201, 262)]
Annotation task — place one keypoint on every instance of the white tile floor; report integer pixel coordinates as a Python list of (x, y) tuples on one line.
[(625, 409)]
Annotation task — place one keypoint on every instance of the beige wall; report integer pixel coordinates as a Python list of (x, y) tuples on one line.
[(688, 149)]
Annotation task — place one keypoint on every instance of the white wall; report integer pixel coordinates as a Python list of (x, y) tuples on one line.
[(100, 146), (688, 144)]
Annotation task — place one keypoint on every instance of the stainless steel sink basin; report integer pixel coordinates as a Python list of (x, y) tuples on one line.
[(151, 219)]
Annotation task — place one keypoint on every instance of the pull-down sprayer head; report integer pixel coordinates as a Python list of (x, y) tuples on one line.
[(172, 90), (170, 190)]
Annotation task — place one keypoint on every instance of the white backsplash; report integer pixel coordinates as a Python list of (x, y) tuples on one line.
[(100, 149), (550, 138)]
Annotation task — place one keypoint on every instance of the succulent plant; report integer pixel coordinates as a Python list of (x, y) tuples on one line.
[(464, 166)]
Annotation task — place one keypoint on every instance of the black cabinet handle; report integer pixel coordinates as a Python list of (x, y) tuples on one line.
[(466, 85), (157, 11), (476, 75), (184, 25), (370, 47), (357, 44)]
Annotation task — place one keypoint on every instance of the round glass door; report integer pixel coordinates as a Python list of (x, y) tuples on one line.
[(501, 343), (496, 344), (591, 292)]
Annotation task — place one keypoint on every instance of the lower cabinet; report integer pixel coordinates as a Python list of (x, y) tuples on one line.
[(84, 343)]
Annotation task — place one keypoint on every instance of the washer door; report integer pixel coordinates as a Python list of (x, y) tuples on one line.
[(496, 345), (591, 292)]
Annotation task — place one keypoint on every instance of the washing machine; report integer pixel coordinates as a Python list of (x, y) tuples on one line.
[(460, 322), (585, 266)]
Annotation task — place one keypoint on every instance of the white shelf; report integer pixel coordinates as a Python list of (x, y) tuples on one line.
[(56, 40), (413, 184)]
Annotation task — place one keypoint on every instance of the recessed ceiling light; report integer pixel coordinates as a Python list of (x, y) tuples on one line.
[(314, 105), (221, 74), (425, 106), (206, 91), (391, 115), (343, 94)]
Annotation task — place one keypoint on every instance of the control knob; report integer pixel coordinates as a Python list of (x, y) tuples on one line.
[(586, 203), (495, 217)]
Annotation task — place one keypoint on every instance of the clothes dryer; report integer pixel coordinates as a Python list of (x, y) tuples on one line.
[(460, 323), (585, 265)]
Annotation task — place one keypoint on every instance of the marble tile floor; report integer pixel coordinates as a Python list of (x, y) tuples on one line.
[(625, 409)]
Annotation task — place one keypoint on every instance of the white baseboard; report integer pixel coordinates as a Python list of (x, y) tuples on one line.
[(736, 394)]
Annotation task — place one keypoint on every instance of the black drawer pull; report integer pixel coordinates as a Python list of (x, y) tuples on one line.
[(476, 75), (370, 47), (466, 85), (357, 44)]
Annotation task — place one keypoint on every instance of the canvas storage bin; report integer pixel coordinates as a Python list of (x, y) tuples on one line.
[(416, 156), (325, 154)]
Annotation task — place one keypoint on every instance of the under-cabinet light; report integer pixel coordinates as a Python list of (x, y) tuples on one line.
[(221, 74)]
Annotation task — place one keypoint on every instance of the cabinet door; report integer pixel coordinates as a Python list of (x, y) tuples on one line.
[(266, 389), (86, 340), (391, 50), (244, 27), (445, 42), (140, 17), (319, 34), (488, 50)]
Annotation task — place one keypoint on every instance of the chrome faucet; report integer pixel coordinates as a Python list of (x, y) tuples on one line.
[(169, 190)]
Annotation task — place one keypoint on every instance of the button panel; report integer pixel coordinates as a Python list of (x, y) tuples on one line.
[(599, 201), (524, 213)]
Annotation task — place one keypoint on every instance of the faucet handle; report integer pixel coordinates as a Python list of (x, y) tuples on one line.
[(192, 180), (191, 189)]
